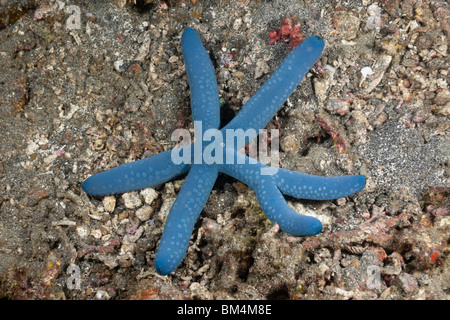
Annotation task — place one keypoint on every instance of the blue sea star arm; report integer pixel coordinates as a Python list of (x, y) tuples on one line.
[(134, 175), (182, 217), (202, 81), (306, 186), (269, 190), (269, 196), (276, 209), (264, 104)]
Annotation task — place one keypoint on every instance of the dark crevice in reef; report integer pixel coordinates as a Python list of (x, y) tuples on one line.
[(222, 180), (244, 268), (281, 293), (238, 213), (142, 7), (226, 114), (10, 14)]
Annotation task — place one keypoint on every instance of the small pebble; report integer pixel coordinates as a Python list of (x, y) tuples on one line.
[(132, 200), (119, 65), (407, 282), (199, 291), (82, 231), (144, 213), (102, 295), (97, 233), (290, 143), (149, 195), (109, 203), (367, 71), (123, 215), (341, 201)]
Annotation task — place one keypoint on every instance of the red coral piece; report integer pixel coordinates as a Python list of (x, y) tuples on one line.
[(288, 31)]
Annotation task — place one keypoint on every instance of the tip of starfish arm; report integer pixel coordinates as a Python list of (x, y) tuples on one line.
[(160, 269), (317, 39), (87, 187), (97, 186), (314, 44), (188, 32), (304, 226), (162, 265), (312, 227), (360, 182), (90, 187), (316, 227), (188, 29)]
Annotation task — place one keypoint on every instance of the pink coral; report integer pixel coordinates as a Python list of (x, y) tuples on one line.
[(288, 31)]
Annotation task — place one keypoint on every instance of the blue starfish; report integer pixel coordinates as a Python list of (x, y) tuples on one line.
[(202, 173)]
